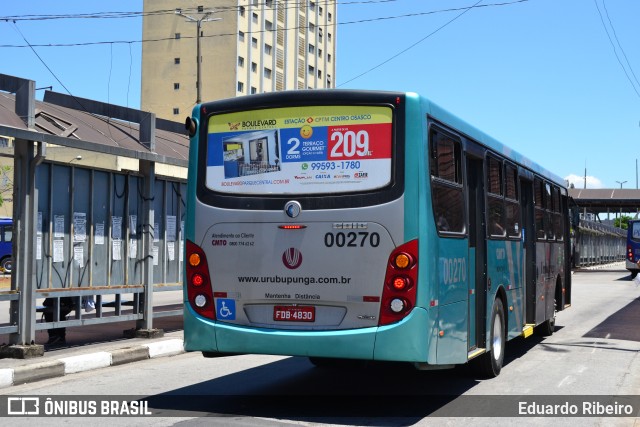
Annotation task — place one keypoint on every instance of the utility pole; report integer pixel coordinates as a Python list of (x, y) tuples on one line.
[(205, 18)]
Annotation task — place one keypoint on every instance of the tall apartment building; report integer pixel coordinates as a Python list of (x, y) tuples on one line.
[(255, 46)]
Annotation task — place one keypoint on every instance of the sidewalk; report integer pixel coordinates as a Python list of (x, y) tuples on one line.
[(95, 346), (72, 359)]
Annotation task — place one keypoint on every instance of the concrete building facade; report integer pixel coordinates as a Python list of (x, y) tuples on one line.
[(247, 47)]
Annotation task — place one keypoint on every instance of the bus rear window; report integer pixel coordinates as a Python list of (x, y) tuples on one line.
[(634, 231), (300, 150)]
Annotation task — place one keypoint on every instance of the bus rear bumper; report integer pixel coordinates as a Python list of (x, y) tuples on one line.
[(407, 340)]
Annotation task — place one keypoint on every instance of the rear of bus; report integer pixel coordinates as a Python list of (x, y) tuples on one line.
[(633, 247), (300, 237)]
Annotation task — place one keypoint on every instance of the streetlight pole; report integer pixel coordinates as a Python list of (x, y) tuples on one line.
[(205, 18), (621, 182)]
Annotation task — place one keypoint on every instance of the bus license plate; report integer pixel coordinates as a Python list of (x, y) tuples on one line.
[(294, 314)]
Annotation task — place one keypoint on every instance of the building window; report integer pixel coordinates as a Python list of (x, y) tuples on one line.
[(329, 37), (176, 111), (269, 3), (312, 6), (254, 18), (240, 87), (312, 70), (267, 73), (319, 74), (240, 61), (177, 36), (319, 53), (268, 25), (267, 49), (254, 42), (176, 86), (312, 49), (241, 36), (253, 90), (241, 10), (329, 17), (320, 11), (176, 60), (312, 27), (254, 67), (328, 57)]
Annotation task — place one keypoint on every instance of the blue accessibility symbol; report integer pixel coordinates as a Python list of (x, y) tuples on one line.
[(226, 309)]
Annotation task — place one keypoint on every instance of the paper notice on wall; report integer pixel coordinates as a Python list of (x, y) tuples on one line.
[(156, 232), (39, 229), (133, 248), (116, 228), (58, 227), (116, 250), (38, 247), (58, 250), (133, 224), (79, 226), (99, 233), (171, 228), (156, 255), (78, 255), (171, 250)]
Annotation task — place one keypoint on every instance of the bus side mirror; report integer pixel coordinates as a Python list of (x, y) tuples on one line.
[(191, 126)]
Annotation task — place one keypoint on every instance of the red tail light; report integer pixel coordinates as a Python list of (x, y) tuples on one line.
[(630, 253), (198, 284), (399, 293)]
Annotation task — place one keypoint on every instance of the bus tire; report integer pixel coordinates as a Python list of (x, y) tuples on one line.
[(6, 264), (634, 273), (489, 364)]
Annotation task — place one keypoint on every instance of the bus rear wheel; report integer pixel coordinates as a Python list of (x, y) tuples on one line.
[(489, 364)]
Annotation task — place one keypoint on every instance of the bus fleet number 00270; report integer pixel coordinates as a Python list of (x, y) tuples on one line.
[(352, 239)]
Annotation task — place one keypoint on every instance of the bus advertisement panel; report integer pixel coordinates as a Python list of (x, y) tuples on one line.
[(323, 149)]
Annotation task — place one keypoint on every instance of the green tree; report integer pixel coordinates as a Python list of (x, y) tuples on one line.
[(625, 222)]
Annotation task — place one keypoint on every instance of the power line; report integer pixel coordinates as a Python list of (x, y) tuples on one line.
[(615, 51), (384, 18), (464, 10), (613, 29)]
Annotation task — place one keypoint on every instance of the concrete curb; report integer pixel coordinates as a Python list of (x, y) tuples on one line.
[(86, 362)]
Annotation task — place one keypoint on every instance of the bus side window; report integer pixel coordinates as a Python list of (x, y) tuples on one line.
[(512, 204), (496, 204), (538, 194), (446, 183), (7, 233), (558, 228)]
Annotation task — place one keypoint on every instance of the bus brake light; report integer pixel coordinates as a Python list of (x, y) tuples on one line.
[(399, 291), (199, 290)]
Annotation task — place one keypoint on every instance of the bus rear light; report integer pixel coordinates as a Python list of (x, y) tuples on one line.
[(400, 283), (194, 260), (197, 280), (398, 305), (402, 261), (630, 253), (292, 227), (200, 300), (399, 293), (199, 289)]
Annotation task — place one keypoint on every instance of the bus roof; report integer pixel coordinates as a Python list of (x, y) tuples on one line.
[(472, 132)]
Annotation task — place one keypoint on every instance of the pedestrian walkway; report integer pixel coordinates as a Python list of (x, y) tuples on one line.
[(71, 360)]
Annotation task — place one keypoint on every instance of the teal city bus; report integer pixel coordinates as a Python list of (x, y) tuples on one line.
[(366, 225)]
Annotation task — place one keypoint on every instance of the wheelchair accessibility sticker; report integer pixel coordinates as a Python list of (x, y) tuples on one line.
[(226, 309)]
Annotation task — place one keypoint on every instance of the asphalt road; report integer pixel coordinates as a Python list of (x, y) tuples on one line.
[(592, 356)]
